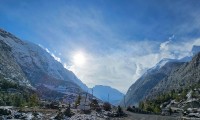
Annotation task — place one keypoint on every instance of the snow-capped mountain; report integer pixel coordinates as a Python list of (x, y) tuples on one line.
[(39, 67), (161, 64), (106, 93)]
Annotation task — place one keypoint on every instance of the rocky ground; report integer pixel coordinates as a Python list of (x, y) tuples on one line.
[(50, 114), (9, 112), (188, 107)]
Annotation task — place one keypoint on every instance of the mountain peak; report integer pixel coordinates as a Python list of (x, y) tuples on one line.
[(196, 58), (102, 92), (6, 34), (195, 49)]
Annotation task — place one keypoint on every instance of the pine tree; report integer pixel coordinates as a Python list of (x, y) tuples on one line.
[(120, 111), (18, 101), (33, 100), (77, 102)]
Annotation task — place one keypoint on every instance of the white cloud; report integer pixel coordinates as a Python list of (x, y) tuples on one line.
[(52, 54), (165, 45), (55, 57), (65, 66), (120, 69), (47, 50)]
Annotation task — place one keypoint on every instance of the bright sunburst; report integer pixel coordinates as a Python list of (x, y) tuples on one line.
[(79, 59)]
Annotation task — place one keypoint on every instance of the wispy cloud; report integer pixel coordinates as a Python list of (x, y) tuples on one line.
[(52, 54)]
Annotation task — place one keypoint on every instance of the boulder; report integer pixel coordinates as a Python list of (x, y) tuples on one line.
[(5, 111)]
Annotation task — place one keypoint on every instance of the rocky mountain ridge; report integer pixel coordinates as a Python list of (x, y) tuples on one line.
[(186, 75)]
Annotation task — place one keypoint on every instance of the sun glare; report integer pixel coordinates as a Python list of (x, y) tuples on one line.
[(79, 59)]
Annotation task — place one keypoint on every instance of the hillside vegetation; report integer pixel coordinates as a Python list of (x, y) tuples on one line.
[(12, 94)]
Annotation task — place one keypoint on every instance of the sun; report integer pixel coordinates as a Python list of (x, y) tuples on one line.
[(79, 59)]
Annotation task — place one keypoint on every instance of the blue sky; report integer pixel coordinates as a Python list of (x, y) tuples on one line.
[(119, 38)]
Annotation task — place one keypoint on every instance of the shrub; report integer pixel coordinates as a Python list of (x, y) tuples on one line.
[(68, 112), (94, 104), (129, 109), (33, 100), (120, 111), (107, 106), (77, 102)]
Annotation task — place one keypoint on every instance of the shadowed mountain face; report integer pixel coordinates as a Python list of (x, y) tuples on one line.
[(142, 87), (29, 63), (184, 76)]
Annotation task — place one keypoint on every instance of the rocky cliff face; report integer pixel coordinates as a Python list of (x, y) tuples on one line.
[(33, 64), (143, 86), (9, 69)]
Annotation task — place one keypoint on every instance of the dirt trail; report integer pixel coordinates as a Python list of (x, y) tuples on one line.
[(135, 116)]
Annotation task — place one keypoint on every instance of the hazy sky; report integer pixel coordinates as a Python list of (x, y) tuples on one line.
[(119, 39)]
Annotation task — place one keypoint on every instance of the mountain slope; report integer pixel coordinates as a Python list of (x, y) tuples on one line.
[(9, 69), (102, 93), (186, 75), (142, 87), (39, 67)]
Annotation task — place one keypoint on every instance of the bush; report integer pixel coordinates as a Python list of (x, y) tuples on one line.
[(77, 102), (94, 104), (129, 109), (98, 109), (68, 112), (120, 111), (107, 106), (33, 100)]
